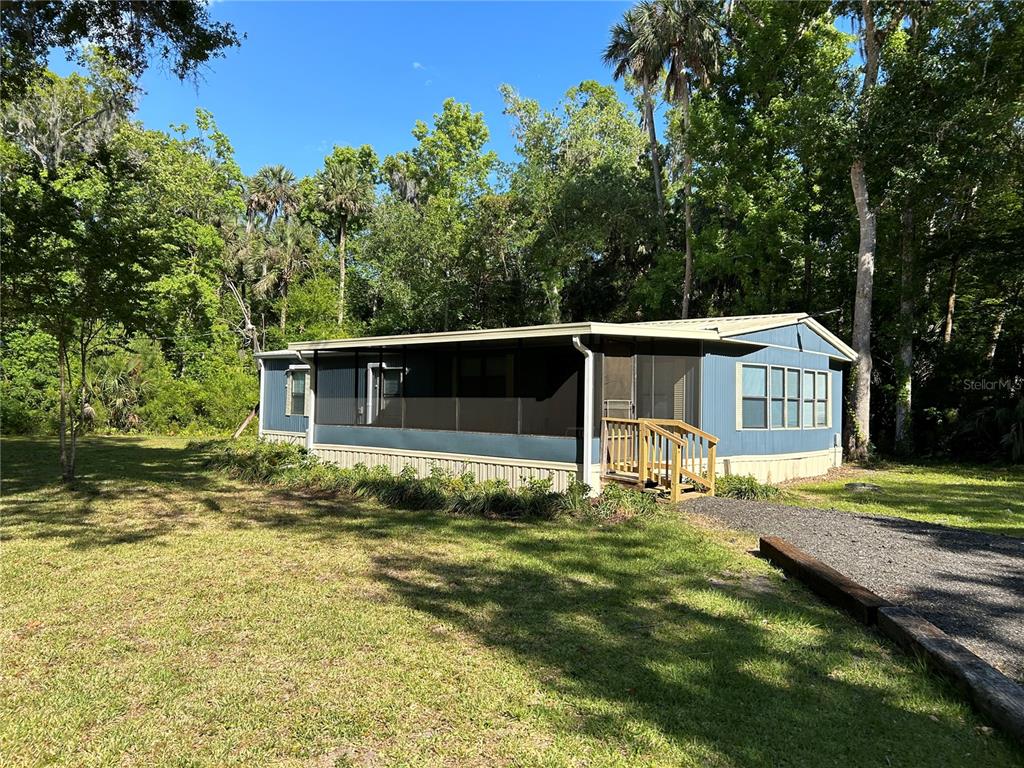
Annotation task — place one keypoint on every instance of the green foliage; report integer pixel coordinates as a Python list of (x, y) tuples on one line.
[(292, 467), (183, 33), (745, 487), (617, 501), (28, 390)]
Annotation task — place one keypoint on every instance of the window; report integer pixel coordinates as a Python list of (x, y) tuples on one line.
[(808, 400), (785, 398), (821, 399), (777, 397), (295, 397), (792, 398), (815, 399), (754, 405), (778, 390)]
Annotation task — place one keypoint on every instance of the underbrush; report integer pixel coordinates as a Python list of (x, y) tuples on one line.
[(745, 487), (292, 467)]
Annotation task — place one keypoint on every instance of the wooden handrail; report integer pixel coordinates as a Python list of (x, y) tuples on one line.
[(685, 428)]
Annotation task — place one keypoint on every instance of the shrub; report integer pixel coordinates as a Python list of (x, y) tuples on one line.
[(576, 501), (618, 501), (291, 466), (745, 487)]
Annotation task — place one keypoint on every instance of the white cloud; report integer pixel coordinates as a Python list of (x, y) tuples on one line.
[(417, 65)]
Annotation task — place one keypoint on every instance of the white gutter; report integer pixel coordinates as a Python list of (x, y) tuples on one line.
[(311, 402), (588, 408)]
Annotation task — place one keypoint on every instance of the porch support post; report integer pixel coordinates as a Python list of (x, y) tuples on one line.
[(588, 409), (310, 400), (260, 406)]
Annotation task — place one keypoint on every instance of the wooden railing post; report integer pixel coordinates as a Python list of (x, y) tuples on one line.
[(676, 475), (711, 469), (643, 454)]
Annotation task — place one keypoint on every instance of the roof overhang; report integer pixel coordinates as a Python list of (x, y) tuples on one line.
[(726, 329), (565, 330)]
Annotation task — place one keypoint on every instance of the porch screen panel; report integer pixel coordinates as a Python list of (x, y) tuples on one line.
[(667, 387), (486, 392), (429, 389), (547, 385), (336, 389)]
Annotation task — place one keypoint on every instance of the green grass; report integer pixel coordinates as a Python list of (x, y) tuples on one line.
[(981, 498), (163, 615)]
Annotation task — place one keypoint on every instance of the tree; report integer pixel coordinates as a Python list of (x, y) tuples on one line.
[(345, 193), (81, 247), (627, 57), (288, 251), (768, 139), (873, 36), (126, 32), (582, 198), (684, 34), (273, 192)]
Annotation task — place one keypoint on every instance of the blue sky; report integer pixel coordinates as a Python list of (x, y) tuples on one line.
[(314, 74)]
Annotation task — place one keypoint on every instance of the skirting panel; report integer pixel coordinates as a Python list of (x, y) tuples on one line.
[(512, 471), (292, 438), (780, 467)]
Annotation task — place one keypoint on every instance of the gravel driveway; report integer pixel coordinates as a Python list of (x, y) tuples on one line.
[(969, 584)]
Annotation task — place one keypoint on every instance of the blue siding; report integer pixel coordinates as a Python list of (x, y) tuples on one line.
[(796, 336), (718, 401), (275, 391), (537, 447)]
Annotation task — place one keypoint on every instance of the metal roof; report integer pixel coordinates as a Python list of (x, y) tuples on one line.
[(701, 329)]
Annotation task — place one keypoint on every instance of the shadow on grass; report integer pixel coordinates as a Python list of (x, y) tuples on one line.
[(632, 627), (112, 472), (624, 646), (641, 639)]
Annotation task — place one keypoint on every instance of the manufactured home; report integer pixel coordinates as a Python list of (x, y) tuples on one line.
[(668, 405)]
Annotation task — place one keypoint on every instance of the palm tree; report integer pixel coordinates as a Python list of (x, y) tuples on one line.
[(288, 246), (627, 58), (684, 34), (273, 192), (345, 191)]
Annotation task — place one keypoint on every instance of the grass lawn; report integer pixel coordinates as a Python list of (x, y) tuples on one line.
[(985, 499), (160, 615)]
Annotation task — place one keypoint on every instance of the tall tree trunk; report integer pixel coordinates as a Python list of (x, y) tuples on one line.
[(283, 320), (687, 216), (997, 331), (954, 269), (904, 438), (77, 424), (652, 138), (341, 273), (860, 433), (62, 367)]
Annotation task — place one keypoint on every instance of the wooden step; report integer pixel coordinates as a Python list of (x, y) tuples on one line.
[(687, 490)]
